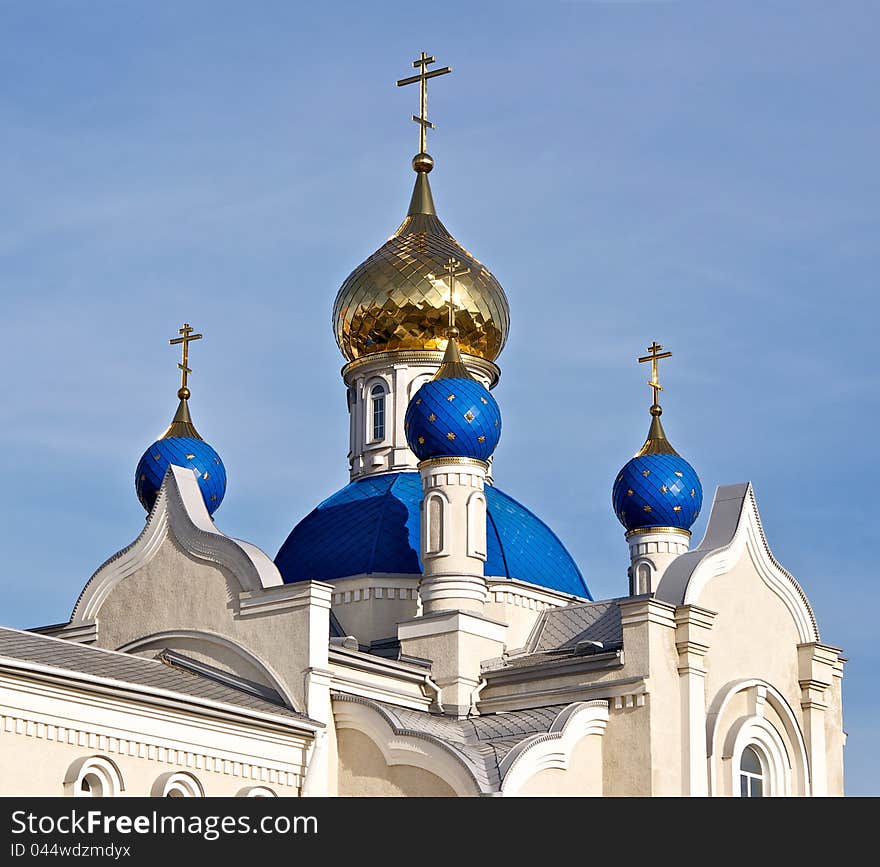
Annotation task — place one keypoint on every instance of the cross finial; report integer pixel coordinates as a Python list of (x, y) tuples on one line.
[(453, 269), (186, 337), (422, 118), (654, 356)]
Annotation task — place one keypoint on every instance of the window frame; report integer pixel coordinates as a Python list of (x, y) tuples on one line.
[(378, 403), (747, 779)]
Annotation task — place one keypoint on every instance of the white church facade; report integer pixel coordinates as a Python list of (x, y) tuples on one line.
[(421, 632)]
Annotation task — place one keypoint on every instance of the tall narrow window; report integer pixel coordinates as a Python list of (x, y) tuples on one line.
[(751, 774), (378, 395)]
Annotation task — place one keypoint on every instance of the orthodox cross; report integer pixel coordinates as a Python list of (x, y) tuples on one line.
[(654, 356), (185, 339), (453, 269), (422, 118)]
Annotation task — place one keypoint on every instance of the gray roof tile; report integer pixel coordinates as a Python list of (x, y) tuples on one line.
[(561, 628), (70, 656)]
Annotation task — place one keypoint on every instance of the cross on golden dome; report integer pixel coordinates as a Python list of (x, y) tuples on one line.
[(654, 356), (186, 338), (453, 269), (422, 78)]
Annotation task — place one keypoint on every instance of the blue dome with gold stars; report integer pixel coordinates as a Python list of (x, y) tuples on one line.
[(182, 446), (657, 487), (453, 415), (189, 452)]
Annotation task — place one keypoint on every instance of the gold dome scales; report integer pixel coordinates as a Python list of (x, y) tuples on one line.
[(397, 298)]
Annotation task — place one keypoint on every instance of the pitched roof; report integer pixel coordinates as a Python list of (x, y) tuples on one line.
[(560, 634), (563, 628), (149, 675)]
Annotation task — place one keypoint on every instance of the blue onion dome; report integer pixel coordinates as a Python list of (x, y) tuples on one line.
[(453, 415), (182, 446), (657, 487)]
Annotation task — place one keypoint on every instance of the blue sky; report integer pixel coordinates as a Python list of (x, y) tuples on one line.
[(701, 174)]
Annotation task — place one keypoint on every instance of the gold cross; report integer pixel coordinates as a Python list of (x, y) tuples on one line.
[(453, 270), (422, 118), (654, 356), (187, 337)]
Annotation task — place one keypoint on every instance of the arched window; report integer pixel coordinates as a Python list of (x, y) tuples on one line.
[(434, 504), (643, 579), (93, 777), (476, 515), (177, 785), (257, 792), (377, 394), (751, 774)]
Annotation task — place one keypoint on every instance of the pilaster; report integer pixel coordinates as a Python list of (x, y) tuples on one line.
[(692, 628), (817, 664)]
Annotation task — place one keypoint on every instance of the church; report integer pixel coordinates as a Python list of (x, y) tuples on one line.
[(421, 632)]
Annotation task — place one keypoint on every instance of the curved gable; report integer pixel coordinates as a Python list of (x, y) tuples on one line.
[(734, 528)]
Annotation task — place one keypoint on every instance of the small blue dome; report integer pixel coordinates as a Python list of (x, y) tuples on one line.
[(372, 526), (657, 490), (453, 417), (182, 451)]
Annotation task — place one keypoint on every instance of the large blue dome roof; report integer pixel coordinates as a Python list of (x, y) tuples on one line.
[(372, 525)]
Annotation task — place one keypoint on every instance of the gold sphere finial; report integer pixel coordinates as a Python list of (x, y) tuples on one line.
[(423, 162), (183, 393), (656, 410)]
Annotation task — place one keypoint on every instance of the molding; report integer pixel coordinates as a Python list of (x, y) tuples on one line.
[(288, 597), (112, 741), (103, 768), (763, 692), (400, 746), (179, 512), (188, 785), (734, 527), (384, 587), (480, 467), (659, 531), (645, 609), (625, 693), (757, 731), (511, 591), (430, 359), (256, 792), (554, 749)]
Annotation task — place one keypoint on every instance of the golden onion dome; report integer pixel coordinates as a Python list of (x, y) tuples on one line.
[(397, 299)]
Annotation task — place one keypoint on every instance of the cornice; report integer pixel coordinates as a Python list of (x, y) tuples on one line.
[(430, 358)]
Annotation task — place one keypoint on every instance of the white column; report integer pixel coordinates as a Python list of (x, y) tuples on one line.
[(317, 685), (651, 550), (453, 535)]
